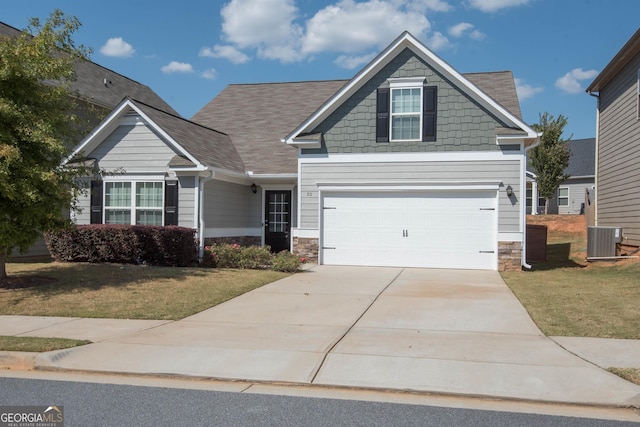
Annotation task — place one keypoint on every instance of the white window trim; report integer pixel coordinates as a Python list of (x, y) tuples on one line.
[(563, 197), (406, 83), (133, 180)]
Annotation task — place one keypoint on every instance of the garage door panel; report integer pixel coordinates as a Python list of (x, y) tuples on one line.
[(412, 229)]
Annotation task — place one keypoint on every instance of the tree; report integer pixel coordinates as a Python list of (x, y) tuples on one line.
[(38, 127), (550, 159)]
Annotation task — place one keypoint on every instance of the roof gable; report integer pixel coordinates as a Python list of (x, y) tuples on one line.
[(198, 146), (407, 41)]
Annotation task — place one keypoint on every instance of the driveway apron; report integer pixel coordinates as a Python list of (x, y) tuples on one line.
[(443, 331)]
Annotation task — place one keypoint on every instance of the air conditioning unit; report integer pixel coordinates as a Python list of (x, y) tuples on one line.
[(601, 241)]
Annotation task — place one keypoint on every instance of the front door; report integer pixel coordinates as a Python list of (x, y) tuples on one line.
[(277, 211)]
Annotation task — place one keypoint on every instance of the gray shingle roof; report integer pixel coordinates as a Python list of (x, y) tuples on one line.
[(210, 147), (582, 161), (90, 83), (583, 157), (500, 86), (257, 116)]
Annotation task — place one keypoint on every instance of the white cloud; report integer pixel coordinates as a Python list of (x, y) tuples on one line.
[(459, 29), (209, 74), (438, 41), (525, 90), (570, 82), (273, 29), (477, 35), (229, 52), (351, 62), (352, 27), (495, 5), (177, 67), (265, 25), (117, 47)]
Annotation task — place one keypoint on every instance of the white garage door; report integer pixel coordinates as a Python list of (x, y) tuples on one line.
[(410, 229)]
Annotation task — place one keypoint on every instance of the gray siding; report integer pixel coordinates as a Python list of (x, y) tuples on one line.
[(227, 205), (618, 180), (462, 124), (388, 173), (187, 193), (133, 148), (576, 196)]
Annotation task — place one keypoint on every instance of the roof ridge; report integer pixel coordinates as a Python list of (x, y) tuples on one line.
[(177, 117), (289, 82)]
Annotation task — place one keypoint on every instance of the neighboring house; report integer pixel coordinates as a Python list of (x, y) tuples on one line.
[(409, 163), (617, 88), (97, 90), (570, 196)]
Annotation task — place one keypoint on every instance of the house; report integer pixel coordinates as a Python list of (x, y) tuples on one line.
[(570, 196), (97, 91), (617, 89), (409, 163)]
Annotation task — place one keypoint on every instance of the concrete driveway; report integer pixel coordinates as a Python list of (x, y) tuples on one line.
[(443, 331)]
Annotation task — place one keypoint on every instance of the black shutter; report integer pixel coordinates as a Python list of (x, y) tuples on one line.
[(382, 115), (430, 106), (171, 203), (96, 202)]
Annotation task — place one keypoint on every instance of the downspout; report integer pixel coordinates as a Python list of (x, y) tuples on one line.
[(201, 222), (595, 178), (523, 208)]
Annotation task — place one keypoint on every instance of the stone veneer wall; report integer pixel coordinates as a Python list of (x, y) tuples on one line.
[(306, 248), (240, 240), (509, 256)]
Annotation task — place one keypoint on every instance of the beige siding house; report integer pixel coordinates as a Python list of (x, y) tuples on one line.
[(617, 88)]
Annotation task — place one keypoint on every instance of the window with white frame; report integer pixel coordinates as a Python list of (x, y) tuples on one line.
[(135, 203), (406, 114), (563, 196)]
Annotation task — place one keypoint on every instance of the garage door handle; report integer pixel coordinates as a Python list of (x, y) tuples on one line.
[(329, 207), (327, 247), (487, 252), (487, 209)]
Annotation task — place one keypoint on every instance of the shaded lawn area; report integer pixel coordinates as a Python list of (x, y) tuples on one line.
[(124, 291), (566, 296)]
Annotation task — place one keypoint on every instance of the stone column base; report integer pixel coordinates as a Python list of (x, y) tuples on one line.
[(305, 247), (509, 256)]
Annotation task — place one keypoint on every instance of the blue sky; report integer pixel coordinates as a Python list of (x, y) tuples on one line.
[(189, 51)]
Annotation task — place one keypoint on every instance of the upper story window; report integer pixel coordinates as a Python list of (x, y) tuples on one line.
[(406, 111)]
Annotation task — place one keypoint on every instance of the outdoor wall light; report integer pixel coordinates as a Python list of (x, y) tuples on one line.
[(509, 191), (254, 188)]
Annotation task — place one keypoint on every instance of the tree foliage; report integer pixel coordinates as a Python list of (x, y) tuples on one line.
[(38, 127), (550, 159)]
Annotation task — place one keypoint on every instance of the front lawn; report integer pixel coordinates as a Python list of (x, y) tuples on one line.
[(566, 296), (124, 291)]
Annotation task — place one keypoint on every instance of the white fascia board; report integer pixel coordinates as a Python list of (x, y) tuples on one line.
[(406, 40), (100, 132)]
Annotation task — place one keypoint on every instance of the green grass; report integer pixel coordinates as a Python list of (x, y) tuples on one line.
[(124, 291), (566, 296), (36, 344)]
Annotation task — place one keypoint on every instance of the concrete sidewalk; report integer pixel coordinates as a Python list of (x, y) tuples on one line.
[(439, 331)]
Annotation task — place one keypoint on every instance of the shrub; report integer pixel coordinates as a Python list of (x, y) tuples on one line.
[(124, 244), (286, 261), (226, 255)]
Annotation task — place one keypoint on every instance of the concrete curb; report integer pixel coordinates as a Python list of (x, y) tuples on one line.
[(18, 360)]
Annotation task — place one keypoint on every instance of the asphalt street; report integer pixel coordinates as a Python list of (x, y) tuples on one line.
[(100, 404)]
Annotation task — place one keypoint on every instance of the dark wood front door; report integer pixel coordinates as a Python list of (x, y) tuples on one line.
[(277, 225)]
